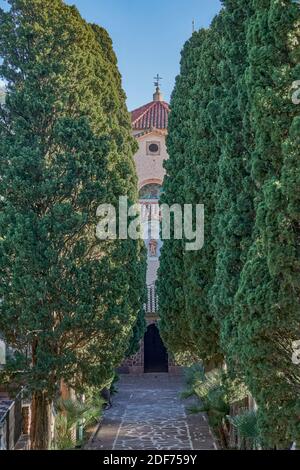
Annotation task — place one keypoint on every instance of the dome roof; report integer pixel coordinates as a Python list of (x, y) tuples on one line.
[(151, 115)]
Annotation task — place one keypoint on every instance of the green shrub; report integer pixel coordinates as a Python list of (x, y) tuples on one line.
[(216, 392), (70, 415), (248, 431)]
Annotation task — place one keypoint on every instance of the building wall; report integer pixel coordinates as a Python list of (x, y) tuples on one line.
[(149, 167), (152, 268), (149, 170)]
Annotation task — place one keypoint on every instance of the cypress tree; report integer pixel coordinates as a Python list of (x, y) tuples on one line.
[(201, 172), (133, 252), (187, 324), (235, 148), (174, 322), (285, 263), (267, 307), (70, 302), (234, 214)]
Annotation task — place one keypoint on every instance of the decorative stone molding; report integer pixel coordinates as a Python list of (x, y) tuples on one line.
[(150, 181)]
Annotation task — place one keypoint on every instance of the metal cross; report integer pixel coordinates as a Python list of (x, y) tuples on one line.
[(157, 80)]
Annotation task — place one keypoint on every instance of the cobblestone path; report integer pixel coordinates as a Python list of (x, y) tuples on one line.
[(148, 414)]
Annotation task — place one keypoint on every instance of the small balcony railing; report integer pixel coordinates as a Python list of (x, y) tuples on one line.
[(152, 300)]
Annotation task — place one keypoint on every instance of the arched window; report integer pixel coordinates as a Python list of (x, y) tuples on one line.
[(151, 191)]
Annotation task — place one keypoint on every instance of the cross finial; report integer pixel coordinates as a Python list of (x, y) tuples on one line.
[(157, 80)]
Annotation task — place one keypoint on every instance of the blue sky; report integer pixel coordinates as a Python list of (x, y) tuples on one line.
[(148, 37)]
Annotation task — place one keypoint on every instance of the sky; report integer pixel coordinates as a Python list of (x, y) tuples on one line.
[(147, 37)]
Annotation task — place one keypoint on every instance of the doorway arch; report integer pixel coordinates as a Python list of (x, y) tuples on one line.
[(155, 353)]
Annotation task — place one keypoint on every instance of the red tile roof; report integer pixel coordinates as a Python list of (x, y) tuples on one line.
[(151, 115)]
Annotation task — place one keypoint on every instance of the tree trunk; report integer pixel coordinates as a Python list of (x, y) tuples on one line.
[(41, 419)]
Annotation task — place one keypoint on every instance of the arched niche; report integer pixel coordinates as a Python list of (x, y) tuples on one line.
[(150, 191)]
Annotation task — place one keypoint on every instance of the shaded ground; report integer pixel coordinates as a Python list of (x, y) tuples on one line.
[(148, 414)]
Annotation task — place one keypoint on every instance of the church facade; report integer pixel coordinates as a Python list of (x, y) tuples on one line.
[(149, 127)]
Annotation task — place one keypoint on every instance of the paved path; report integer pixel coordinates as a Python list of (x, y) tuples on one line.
[(148, 414)]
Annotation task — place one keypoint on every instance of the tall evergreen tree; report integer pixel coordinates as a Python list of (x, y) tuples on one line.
[(267, 306), (187, 324), (238, 155), (69, 301), (201, 172), (285, 263), (174, 322), (234, 214), (123, 165)]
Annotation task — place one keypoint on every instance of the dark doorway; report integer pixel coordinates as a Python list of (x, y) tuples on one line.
[(155, 355)]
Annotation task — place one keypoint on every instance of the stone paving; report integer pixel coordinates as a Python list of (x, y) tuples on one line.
[(148, 414)]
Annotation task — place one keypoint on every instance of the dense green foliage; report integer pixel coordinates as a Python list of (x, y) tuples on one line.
[(216, 392), (238, 151), (267, 304), (186, 324), (247, 429), (174, 325), (233, 191), (71, 414), (201, 171), (70, 302)]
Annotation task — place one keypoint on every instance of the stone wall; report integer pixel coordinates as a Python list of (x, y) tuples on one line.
[(135, 364)]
